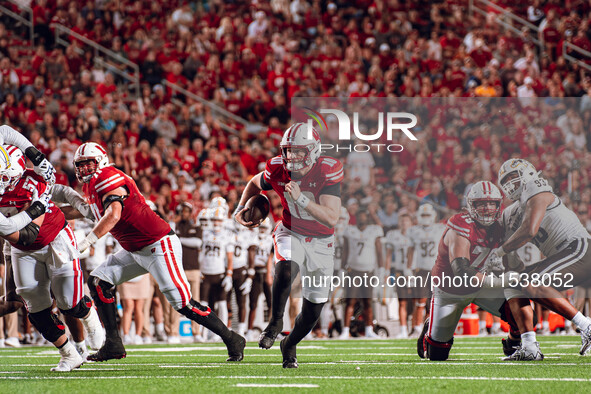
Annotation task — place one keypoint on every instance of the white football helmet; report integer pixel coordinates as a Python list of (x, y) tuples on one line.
[(12, 167), (89, 151), (484, 191), (220, 202), (525, 171), (300, 136), (426, 215), (217, 217), (265, 227), (203, 219)]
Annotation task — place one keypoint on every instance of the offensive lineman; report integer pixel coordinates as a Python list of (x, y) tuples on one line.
[(309, 187), (539, 216), (149, 245), (463, 250)]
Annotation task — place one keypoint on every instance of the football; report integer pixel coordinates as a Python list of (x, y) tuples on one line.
[(258, 209)]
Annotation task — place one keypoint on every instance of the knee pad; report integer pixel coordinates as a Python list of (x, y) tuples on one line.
[(48, 324), (195, 311), (80, 310), (100, 290), (437, 351)]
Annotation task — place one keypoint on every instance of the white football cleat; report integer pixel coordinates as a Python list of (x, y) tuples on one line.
[(174, 340), (344, 335), (370, 334), (198, 339), (530, 353), (12, 342), (94, 330), (585, 341), (70, 359)]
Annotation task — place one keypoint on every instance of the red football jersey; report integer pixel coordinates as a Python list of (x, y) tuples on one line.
[(14, 201), (326, 172), (139, 226), (482, 240)]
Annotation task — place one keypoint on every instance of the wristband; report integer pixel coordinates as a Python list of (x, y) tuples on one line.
[(302, 201), (91, 238), (34, 155), (251, 272), (35, 210), (229, 272), (501, 252)]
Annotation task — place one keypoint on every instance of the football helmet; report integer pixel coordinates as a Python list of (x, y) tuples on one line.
[(265, 227), (484, 191), (217, 217), (89, 151), (203, 218), (300, 137), (219, 202), (12, 167), (525, 171), (426, 215)]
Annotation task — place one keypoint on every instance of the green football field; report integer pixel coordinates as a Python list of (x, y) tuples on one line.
[(325, 366)]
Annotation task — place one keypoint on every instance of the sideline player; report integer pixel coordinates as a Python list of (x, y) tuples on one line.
[(260, 257), (44, 261), (467, 241), (149, 245), (421, 256), (309, 187), (539, 216), (362, 255)]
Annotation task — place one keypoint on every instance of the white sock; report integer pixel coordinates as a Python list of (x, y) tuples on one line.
[(418, 328), (403, 331), (160, 327), (496, 326), (581, 321), (241, 328), (368, 330), (545, 325), (528, 338), (345, 331), (67, 349), (482, 324), (80, 346)]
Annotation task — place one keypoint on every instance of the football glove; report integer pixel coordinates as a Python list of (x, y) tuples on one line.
[(246, 287), (46, 170), (43, 198), (90, 239), (495, 261), (227, 283)]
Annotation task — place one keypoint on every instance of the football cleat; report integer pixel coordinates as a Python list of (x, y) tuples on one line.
[(421, 350), (236, 346), (70, 360), (94, 329), (289, 355), (510, 345), (585, 341), (531, 353), (268, 336), (111, 350)]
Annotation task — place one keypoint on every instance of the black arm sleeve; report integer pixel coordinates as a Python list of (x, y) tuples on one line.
[(28, 234), (333, 190), (461, 266), (34, 155), (35, 210), (264, 184), (111, 198)]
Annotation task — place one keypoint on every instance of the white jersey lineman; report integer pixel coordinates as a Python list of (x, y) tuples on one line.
[(264, 248), (244, 239), (212, 257), (425, 240), (399, 244), (362, 254), (529, 253)]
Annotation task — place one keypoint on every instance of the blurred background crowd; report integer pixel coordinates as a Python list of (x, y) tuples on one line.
[(252, 58)]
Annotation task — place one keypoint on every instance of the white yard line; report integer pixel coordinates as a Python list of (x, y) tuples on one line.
[(304, 386)]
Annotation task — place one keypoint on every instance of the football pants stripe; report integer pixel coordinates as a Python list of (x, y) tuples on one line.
[(582, 246), (171, 273), (184, 284)]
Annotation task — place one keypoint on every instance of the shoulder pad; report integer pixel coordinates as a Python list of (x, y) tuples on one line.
[(461, 223)]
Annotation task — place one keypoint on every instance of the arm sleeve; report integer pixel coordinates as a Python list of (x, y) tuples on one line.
[(264, 184), (10, 136), (14, 223), (66, 195), (333, 189)]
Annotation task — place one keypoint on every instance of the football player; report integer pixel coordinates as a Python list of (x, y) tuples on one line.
[(309, 187), (149, 245), (422, 255), (260, 258), (539, 216), (217, 259), (467, 241), (362, 255), (44, 260), (397, 245)]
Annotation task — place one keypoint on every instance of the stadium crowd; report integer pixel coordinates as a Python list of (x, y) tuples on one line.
[(252, 58)]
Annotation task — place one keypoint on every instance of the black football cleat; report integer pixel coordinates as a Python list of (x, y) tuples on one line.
[(289, 355), (236, 346), (510, 346), (111, 350), (268, 336), (421, 341)]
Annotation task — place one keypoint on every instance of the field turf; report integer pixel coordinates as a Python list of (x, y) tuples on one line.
[(331, 366)]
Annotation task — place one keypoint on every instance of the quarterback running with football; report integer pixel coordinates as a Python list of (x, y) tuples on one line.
[(309, 187), (539, 216), (148, 245), (463, 250)]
